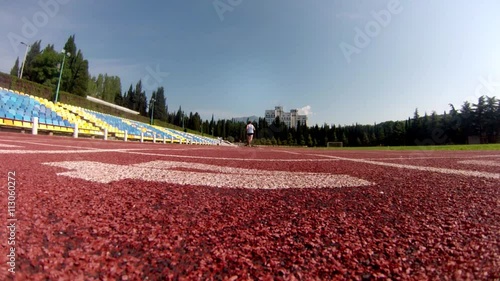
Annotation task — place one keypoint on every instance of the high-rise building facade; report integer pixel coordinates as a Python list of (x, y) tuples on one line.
[(291, 119)]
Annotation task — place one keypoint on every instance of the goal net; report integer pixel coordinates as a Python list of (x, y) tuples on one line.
[(334, 144)]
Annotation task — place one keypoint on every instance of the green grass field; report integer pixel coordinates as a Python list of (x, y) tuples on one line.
[(495, 146)]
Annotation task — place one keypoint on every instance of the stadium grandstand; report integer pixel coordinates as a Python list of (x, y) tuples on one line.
[(26, 112)]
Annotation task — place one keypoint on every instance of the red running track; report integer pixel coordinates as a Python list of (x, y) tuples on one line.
[(95, 210)]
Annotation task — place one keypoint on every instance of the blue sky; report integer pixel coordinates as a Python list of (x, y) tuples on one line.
[(258, 54)]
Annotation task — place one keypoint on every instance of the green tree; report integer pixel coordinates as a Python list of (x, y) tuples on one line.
[(197, 121), (141, 102), (34, 51), (302, 140), (92, 87), (366, 140), (119, 99), (478, 116), (104, 87), (112, 88), (274, 141), (212, 125), (467, 120), (160, 105), (310, 142), (290, 139), (14, 71), (178, 117), (345, 140), (492, 119), (44, 69), (130, 99), (76, 79)]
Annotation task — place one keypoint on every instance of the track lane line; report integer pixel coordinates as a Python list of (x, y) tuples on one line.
[(418, 168), (226, 158)]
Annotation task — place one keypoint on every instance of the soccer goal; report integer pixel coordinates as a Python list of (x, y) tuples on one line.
[(334, 144)]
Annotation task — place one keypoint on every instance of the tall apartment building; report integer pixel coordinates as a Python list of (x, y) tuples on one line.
[(291, 119)]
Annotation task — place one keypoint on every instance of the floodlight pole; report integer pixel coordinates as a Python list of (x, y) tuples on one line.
[(152, 109), (60, 75), (24, 60)]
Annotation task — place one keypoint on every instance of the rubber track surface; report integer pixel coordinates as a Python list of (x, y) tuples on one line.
[(406, 224)]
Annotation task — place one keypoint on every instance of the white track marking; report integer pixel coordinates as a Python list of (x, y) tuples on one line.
[(131, 151), (481, 162), (58, 145), (440, 157), (208, 175), (226, 158), (59, 151), (9, 146), (284, 151), (420, 168), (160, 164)]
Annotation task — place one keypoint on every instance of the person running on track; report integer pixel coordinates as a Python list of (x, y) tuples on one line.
[(250, 131)]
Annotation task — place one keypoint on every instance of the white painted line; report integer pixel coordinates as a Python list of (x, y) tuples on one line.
[(9, 145), (130, 151), (441, 157), (284, 151), (57, 151), (206, 175), (481, 162), (420, 168), (58, 145), (229, 159)]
